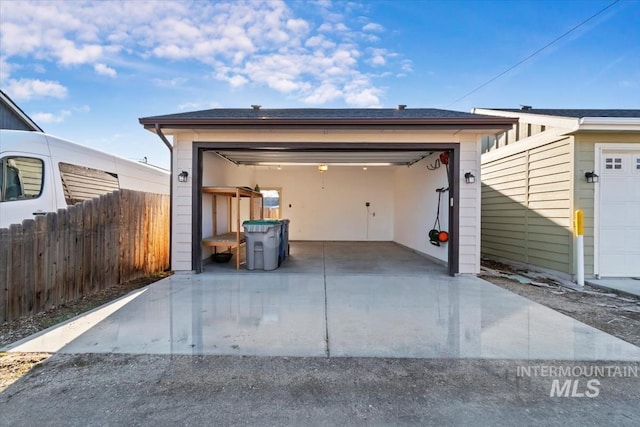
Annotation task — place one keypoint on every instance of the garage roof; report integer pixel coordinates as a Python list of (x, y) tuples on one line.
[(325, 116), (416, 119)]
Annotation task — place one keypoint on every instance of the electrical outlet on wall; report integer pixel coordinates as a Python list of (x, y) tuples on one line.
[(367, 204)]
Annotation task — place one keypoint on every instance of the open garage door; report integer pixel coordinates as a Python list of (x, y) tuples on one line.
[(330, 208)]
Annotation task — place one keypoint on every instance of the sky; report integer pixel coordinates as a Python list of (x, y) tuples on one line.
[(88, 70)]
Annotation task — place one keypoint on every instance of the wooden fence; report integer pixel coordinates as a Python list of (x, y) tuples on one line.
[(63, 256)]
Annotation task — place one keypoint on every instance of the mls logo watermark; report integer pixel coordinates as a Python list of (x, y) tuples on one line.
[(576, 381), (573, 388)]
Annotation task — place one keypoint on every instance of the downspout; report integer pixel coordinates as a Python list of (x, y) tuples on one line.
[(170, 147)]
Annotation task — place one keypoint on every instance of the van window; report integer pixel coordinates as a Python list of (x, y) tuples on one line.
[(20, 178), (81, 183)]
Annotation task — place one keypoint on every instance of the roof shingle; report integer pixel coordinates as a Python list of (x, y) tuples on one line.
[(316, 114), (575, 113)]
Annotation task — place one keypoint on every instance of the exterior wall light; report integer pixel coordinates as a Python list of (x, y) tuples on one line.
[(469, 178), (183, 176), (592, 178)]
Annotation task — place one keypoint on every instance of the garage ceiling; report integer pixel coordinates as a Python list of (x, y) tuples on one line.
[(351, 158)]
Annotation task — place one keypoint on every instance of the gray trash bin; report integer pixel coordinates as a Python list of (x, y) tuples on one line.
[(285, 236), (263, 240)]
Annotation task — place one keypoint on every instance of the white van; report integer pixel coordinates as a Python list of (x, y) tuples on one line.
[(40, 173)]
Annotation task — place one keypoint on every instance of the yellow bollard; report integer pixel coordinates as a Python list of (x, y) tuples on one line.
[(578, 225), (578, 222)]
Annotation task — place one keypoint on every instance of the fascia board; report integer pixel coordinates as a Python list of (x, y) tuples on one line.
[(609, 124)]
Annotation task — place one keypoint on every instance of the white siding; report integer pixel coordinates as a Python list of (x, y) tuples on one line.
[(181, 202)]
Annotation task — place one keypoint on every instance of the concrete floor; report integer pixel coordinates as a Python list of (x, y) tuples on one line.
[(623, 285), (337, 299)]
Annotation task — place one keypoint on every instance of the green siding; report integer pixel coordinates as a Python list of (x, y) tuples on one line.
[(527, 206)]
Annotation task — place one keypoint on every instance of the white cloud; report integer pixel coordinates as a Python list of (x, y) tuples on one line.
[(378, 57), (327, 92), (50, 117), (373, 27), (237, 81), (320, 42), (407, 65), (171, 83), (299, 26), (368, 98), (261, 42), (104, 70), (340, 27), (5, 70), (37, 68), (192, 106), (69, 54), (26, 89)]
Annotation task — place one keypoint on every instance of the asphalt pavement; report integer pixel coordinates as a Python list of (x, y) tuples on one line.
[(182, 390)]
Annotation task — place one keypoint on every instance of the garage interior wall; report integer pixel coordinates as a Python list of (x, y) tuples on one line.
[(416, 204), (331, 206)]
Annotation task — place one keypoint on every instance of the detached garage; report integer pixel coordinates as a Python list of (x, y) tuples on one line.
[(336, 174)]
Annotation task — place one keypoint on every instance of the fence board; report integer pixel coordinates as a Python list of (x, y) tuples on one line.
[(29, 248), (95, 246), (5, 247), (16, 275), (51, 236), (63, 245), (63, 256), (40, 270), (88, 249)]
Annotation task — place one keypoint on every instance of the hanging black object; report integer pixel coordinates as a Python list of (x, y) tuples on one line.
[(437, 236)]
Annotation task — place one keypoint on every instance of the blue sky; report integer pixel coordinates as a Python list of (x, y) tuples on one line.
[(86, 71)]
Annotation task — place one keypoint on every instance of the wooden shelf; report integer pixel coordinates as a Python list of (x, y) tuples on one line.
[(231, 239)]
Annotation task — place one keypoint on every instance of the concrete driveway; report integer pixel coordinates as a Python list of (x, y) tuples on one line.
[(337, 299)]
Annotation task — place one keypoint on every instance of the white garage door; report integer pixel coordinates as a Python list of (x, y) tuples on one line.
[(619, 238)]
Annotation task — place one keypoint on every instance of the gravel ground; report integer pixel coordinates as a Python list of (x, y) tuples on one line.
[(151, 390)]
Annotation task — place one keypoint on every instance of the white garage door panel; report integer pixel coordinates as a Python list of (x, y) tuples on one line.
[(623, 213), (619, 239)]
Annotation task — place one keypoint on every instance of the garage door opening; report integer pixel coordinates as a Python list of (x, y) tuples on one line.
[(381, 193)]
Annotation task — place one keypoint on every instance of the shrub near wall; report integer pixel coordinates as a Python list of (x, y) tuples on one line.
[(61, 257)]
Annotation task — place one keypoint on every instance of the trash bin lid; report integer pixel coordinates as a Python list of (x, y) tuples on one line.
[(261, 222), (260, 225)]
